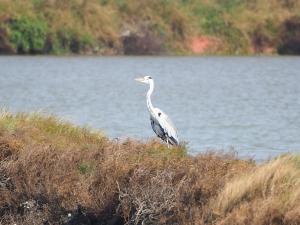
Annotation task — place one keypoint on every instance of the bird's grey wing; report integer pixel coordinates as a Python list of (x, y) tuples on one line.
[(157, 128), (168, 126)]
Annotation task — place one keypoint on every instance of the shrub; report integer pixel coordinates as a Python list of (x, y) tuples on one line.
[(144, 42), (229, 5), (28, 35), (52, 172), (211, 20), (263, 36), (49, 169), (5, 46), (290, 36), (68, 41)]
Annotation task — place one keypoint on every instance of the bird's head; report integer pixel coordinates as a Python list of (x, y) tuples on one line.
[(145, 79)]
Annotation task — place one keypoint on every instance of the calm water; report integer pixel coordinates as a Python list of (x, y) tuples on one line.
[(249, 104)]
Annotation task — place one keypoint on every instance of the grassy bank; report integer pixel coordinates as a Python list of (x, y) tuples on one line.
[(149, 27), (52, 172)]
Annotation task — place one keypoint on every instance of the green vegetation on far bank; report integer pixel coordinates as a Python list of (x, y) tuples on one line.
[(52, 172), (112, 27)]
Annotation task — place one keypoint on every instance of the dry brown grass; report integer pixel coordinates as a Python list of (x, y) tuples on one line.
[(52, 172), (268, 194)]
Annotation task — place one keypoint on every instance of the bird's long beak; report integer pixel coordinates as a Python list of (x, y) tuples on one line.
[(140, 79)]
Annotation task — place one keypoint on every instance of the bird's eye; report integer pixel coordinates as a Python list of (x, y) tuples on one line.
[(159, 114), (149, 77)]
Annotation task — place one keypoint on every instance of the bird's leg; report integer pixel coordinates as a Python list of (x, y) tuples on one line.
[(168, 143)]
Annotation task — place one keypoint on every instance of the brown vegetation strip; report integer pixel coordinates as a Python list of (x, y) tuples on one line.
[(54, 173)]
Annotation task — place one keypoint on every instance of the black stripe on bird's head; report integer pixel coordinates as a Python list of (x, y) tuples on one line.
[(145, 79)]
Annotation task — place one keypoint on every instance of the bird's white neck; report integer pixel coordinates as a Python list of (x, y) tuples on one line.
[(149, 93)]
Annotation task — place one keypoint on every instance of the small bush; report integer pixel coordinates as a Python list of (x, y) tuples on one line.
[(211, 19), (263, 36), (5, 46), (28, 35), (144, 42), (290, 37), (212, 22), (229, 5), (65, 41), (122, 5)]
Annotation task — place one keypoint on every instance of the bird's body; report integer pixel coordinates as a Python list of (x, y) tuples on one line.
[(160, 122), (164, 128)]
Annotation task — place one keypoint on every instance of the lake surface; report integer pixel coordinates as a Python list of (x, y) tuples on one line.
[(250, 104)]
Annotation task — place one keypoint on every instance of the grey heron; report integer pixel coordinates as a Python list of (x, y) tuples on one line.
[(160, 122)]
